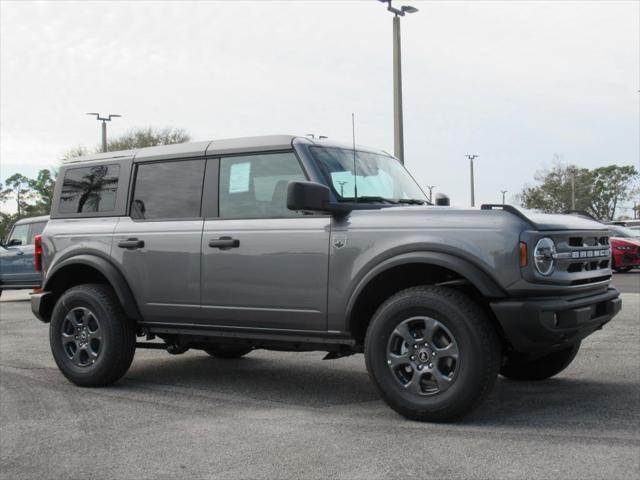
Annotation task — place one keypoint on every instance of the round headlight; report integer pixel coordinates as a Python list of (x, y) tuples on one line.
[(543, 255)]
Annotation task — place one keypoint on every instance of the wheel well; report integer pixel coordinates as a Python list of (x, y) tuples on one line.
[(73, 275), (66, 278), (398, 278)]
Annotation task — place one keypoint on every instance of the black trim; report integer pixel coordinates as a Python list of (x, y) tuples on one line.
[(115, 278), (210, 199), (540, 325), (511, 209), (210, 331)]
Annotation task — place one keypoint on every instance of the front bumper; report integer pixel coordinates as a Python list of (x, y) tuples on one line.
[(42, 305), (542, 325)]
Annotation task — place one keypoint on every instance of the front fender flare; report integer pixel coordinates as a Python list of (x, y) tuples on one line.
[(486, 285)]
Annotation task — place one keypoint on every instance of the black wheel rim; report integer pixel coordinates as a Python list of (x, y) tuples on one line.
[(81, 337), (423, 356)]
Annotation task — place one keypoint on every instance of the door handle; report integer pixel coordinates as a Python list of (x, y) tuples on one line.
[(19, 252), (224, 243), (131, 244)]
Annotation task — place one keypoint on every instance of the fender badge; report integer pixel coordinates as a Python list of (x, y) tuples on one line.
[(339, 241)]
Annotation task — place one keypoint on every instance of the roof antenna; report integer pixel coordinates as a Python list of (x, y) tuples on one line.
[(355, 171)]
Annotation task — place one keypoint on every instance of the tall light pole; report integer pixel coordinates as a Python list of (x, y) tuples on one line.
[(398, 129), (503, 194), (104, 127), (430, 187), (473, 193)]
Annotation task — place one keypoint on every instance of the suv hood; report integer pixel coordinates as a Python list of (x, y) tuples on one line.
[(544, 221), (539, 221)]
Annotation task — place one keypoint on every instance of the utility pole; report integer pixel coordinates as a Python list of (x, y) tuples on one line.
[(573, 190), (104, 126), (430, 187), (398, 128), (473, 194), (503, 194)]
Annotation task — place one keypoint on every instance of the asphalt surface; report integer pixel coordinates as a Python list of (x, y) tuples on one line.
[(292, 415), (627, 282)]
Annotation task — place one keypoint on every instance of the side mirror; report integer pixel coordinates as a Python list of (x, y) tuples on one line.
[(308, 196), (313, 197), (14, 242), (442, 200)]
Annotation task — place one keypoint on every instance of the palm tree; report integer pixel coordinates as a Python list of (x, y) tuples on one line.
[(89, 188)]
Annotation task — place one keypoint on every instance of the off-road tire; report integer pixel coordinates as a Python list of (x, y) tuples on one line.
[(517, 367), (118, 342), (228, 351), (480, 352)]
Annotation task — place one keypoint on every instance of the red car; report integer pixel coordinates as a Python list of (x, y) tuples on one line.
[(625, 248)]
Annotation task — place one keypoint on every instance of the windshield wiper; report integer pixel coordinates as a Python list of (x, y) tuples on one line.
[(411, 201), (368, 199)]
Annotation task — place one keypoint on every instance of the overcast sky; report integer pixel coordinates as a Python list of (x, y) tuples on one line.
[(513, 81)]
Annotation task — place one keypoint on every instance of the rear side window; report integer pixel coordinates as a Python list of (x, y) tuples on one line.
[(35, 229), (89, 189), (168, 190)]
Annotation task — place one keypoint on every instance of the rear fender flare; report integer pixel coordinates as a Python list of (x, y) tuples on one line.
[(108, 270)]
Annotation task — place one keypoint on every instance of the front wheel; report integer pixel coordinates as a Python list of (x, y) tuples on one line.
[(517, 367), (432, 353), (92, 340)]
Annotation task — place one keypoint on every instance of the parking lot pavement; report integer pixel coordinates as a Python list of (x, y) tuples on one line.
[(292, 415), (627, 282)]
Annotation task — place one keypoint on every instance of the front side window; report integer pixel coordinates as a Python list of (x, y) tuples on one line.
[(89, 189), (368, 176), (168, 190), (255, 186), (20, 233)]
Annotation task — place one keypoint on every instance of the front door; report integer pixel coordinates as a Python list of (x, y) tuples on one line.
[(263, 266), (17, 267)]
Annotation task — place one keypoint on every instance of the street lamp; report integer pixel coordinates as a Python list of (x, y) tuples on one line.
[(104, 127), (430, 187), (398, 130), (473, 195), (503, 194)]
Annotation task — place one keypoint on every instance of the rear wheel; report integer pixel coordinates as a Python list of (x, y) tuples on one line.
[(516, 367), (432, 353), (92, 340), (228, 351)]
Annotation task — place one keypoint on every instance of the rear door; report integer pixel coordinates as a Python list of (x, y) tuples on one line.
[(158, 244), (263, 266)]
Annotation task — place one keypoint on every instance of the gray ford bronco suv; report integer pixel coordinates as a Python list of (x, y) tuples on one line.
[(290, 243)]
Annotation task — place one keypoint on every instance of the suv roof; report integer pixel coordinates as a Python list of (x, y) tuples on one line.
[(225, 146), (42, 218)]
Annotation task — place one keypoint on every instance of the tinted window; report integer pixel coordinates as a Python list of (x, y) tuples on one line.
[(20, 232), (168, 190), (255, 186), (89, 189)]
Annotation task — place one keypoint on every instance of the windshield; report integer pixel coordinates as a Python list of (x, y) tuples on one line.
[(377, 178), (622, 232)]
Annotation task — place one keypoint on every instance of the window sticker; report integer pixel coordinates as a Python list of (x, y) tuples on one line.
[(239, 177)]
